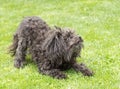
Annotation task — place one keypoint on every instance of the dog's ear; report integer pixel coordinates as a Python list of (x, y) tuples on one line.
[(54, 44)]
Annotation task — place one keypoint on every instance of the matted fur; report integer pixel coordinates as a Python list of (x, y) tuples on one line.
[(52, 49)]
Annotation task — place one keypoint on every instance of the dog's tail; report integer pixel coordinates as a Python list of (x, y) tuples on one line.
[(14, 45)]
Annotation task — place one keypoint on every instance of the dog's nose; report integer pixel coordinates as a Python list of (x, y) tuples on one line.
[(80, 39)]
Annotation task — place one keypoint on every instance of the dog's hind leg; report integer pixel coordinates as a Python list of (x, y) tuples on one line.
[(20, 54), (83, 69), (46, 69)]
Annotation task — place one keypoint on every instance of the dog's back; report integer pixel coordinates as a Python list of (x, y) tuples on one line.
[(29, 29)]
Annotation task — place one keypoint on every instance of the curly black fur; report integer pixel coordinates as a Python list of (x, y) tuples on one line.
[(53, 50)]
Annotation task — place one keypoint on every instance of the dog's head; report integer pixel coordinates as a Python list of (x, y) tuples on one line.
[(74, 42), (62, 43)]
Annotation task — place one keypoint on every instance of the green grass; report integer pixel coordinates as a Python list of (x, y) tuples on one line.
[(97, 21)]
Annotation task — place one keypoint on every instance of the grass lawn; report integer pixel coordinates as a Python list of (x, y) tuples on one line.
[(97, 21)]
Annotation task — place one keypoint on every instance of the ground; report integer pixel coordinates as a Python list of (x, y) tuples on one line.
[(97, 21)]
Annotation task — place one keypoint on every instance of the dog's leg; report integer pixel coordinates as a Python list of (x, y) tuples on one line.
[(20, 54), (47, 70), (83, 69), (55, 73)]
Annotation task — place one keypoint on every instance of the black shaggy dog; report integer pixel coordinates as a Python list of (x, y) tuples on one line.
[(53, 50)]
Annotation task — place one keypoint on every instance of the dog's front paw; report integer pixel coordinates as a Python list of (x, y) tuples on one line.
[(85, 70), (19, 63), (58, 74), (88, 72)]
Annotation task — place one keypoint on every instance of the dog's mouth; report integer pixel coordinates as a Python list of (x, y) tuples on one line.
[(76, 54), (76, 48)]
